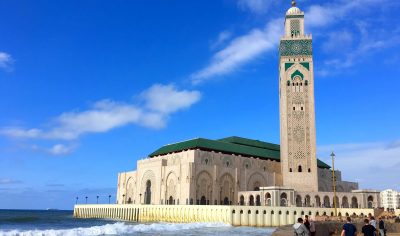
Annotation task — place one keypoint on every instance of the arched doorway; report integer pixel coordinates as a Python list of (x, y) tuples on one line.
[(258, 200), (268, 199), (327, 202), (147, 194), (345, 202), (354, 202), (283, 200), (298, 201), (241, 200), (171, 200), (370, 201), (251, 200), (226, 201), (203, 200), (317, 201), (307, 201)]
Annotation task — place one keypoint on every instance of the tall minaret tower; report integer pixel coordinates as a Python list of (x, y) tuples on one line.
[(297, 115)]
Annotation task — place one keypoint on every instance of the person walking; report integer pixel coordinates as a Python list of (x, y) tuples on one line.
[(300, 229), (349, 229), (307, 222), (368, 229), (312, 228), (381, 227), (372, 222)]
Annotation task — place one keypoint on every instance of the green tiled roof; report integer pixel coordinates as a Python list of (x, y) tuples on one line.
[(230, 145)]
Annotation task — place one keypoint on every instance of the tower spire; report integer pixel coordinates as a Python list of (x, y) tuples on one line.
[(293, 3)]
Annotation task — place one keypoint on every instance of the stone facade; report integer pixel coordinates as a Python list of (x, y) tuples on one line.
[(296, 96), (195, 177)]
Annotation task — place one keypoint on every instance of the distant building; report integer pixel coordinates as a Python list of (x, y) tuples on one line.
[(390, 199), (240, 171)]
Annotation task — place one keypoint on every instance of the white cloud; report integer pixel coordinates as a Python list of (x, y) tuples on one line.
[(245, 48), (374, 165), (5, 61), (256, 6), (4, 181), (55, 150), (222, 38), (60, 149), (166, 99), (369, 41), (160, 101), (240, 50), (334, 11)]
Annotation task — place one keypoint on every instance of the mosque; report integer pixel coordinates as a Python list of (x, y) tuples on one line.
[(241, 171)]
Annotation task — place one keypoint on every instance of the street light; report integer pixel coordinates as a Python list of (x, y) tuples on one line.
[(109, 199), (97, 202), (76, 202), (86, 199), (334, 182)]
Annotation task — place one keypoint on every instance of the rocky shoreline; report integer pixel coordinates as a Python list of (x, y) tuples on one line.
[(327, 228)]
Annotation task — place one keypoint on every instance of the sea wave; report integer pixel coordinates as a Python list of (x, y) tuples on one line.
[(119, 228)]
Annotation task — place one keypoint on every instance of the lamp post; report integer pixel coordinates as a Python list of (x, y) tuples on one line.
[(86, 199), (109, 199), (76, 202), (334, 182), (97, 202)]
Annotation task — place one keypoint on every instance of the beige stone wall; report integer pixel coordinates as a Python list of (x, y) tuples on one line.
[(195, 177), (234, 215), (297, 118), (325, 182)]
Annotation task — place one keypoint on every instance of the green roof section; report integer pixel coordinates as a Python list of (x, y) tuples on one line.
[(230, 145), (221, 146), (251, 142)]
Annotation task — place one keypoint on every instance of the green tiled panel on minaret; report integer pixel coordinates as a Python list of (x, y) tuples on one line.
[(306, 65), (292, 47), (288, 65)]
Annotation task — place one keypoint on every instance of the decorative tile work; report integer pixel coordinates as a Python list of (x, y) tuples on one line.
[(301, 47)]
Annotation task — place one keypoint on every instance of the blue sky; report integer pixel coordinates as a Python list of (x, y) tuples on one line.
[(89, 87)]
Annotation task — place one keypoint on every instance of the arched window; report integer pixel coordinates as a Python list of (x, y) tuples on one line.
[(300, 169), (258, 200), (290, 170), (251, 200), (283, 199), (241, 200), (147, 194)]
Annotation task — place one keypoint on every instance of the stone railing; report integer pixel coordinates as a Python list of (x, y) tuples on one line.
[(234, 215)]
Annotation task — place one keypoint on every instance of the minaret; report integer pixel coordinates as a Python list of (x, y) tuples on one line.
[(297, 115)]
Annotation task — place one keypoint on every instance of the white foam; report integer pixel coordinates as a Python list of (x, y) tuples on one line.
[(113, 229)]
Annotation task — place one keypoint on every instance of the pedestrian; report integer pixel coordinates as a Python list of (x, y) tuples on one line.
[(372, 222), (381, 226), (312, 228), (368, 229), (300, 229), (349, 229), (307, 222)]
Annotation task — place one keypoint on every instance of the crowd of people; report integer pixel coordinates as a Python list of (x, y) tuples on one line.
[(370, 228), (306, 227)]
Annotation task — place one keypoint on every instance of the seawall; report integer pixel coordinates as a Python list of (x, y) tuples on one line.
[(260, 216)]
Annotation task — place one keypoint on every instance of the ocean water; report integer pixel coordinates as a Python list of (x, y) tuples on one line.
[(60, 223)]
